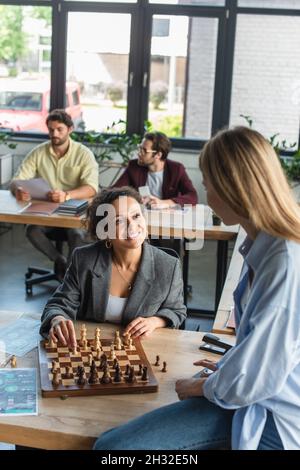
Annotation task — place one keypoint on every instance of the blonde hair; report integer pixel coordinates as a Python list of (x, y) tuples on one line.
[(246, 173)]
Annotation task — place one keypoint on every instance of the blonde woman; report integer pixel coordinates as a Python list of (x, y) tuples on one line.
[(252, 399)]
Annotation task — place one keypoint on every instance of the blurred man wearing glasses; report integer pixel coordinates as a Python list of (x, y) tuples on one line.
[(167, 180)]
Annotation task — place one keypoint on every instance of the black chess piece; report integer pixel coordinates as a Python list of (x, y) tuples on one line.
[(118, 374), (106, 378), (157, 361), (81, 376), (131, 377), (145, 374)]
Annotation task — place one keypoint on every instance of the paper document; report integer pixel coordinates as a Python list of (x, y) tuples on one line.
[(20, 336), (144, 191), (36, 187), (18, 392)]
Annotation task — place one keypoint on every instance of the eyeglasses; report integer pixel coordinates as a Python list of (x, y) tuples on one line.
[(141, 149)]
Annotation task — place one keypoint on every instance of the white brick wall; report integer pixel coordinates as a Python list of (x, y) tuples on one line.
[(266, 82)]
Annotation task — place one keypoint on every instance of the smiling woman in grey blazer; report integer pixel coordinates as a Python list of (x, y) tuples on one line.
[(121, 278)]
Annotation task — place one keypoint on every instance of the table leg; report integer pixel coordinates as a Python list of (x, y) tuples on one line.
[(222, 255)]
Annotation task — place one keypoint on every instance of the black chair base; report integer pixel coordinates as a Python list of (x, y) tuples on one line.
[(44, 276)]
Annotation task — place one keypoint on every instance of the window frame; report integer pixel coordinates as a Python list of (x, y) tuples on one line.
[(140, 53)]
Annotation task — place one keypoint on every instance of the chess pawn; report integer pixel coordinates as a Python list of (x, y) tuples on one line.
[(90, 359), (127, 370), (98, 354), (68, 372), (81, 375), (112, 352), (93, 378), (131, 377), (97, 332), (157, 361), (51, 343), (97, 344), (164, 369), (13, 362), (55, 379), (119, 344), (140, 372), (118, 374), (145, 374), (84, 345), (54, 367), (106, 378), (130, 344), (126, 339)]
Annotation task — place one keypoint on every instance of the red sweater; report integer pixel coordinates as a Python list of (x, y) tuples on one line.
[(176, 183)]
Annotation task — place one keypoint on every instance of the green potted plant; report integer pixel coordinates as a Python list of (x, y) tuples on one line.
[(291, 162)]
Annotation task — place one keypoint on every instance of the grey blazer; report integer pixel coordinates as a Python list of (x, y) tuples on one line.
[(157, 290)]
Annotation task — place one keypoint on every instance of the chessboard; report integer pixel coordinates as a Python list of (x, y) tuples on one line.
[(65, 372)]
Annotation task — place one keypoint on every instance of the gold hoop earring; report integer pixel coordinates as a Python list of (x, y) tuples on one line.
[(108, 244)]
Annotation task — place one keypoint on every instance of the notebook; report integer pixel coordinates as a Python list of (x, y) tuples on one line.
[(43, 208), (72, 206)]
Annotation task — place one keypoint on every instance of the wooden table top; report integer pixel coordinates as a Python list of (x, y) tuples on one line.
[(210, 232), (75, 423)]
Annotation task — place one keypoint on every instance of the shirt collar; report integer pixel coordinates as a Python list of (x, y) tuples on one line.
[(253, 250)]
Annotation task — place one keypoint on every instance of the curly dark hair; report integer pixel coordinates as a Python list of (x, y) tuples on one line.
[(60, 115), (107, 196)]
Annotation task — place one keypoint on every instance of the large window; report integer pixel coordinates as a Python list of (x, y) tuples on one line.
[(98, 63), (190, 67), (182, 75), (25, 67)]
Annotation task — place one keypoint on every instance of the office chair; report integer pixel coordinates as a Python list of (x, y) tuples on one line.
[(44, 275), (175, 254)]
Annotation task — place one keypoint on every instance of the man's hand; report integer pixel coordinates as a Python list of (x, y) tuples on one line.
[(22, 195), (188, 388), (56, 196), (156, 203), (63, 330), (142, 327)]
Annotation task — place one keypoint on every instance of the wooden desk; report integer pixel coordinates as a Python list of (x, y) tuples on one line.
[(76, 422), (226, 302)]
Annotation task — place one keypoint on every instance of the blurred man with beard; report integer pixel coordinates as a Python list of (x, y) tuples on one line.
[(71, 170), (168, 182)]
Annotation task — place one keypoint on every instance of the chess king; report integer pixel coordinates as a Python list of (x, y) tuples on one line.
[(120, 278)]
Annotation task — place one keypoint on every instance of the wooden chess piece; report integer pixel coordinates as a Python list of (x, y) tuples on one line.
[(145, 374), (54, 366), (106, 378), (93, 378), (157, 361), (131, 379), (13, 362), (68, 374), (118, 374), (55, 378), (164, 369), (81, 376)]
